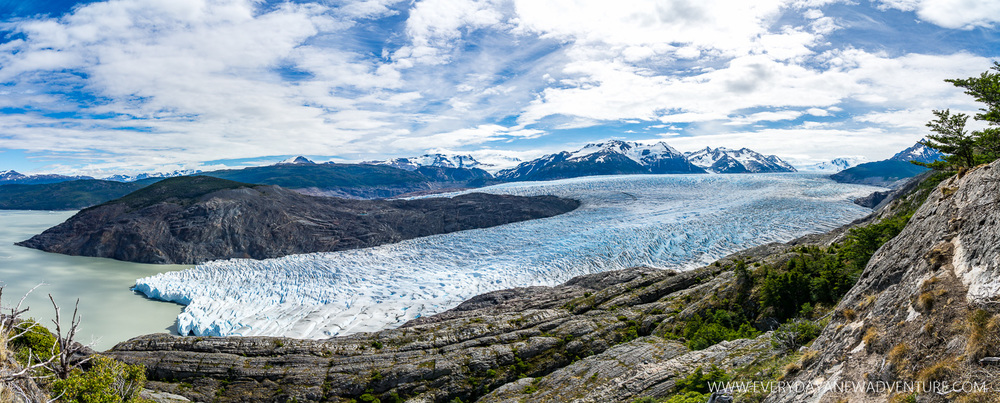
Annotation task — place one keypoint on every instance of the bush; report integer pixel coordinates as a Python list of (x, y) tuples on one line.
[(720, 325), (699, 381), (795, 333), (107, 381), (38, 341), (689, 397)]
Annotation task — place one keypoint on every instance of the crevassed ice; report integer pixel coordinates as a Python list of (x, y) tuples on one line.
[(667, 221)]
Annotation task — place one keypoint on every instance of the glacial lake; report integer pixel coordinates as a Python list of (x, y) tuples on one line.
[(111, 312)]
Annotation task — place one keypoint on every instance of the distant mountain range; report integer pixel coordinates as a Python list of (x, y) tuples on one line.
[(834, 165), (399, 176), (729, 161), (618, 157), (160, 175), (430, 160), (890, 172), (14, 177)]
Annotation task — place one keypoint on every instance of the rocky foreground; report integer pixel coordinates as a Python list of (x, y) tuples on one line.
[(924, 309), (190, 220)]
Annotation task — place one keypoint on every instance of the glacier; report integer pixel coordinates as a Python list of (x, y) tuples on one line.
[(664, 221)]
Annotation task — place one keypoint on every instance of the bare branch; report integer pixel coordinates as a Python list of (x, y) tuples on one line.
[(68, 346)]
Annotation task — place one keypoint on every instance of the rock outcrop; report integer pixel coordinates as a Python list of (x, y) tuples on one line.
[(924, 311), (189, 220)]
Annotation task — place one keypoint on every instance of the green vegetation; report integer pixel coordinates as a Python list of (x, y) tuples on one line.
[(967, 149), (322, 176), (36, 343), (107, 381), (182, 190), (715, 327), (69, 195), (795, 333)]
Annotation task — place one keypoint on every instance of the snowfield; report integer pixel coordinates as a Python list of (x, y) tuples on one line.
[(666, 221)]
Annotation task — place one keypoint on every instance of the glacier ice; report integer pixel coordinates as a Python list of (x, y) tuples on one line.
[(666, 221)]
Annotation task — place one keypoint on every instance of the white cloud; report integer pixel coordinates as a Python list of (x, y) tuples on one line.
[(466, 136), (193, 80), (955, 14)]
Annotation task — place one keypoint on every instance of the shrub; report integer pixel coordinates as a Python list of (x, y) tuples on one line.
[(37, 341), (795, 333), (107, 380), (871, 339), (984, 335), (719, 325), (925, 302), (699, 381), (689, 397), (898, 354), (940, 371)]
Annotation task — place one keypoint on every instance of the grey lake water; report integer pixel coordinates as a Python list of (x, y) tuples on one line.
[(111, 312)]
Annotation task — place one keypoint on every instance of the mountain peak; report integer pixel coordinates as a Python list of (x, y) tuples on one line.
[(300, 160), (612, 157), (434, 160), (918, 152), (744, 160)]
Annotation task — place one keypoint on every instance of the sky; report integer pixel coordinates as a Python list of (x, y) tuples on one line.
[(127, 86)]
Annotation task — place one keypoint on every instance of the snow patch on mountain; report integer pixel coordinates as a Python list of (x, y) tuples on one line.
[(640, 153), (433, 160), (606, 158), (744, 160), (669, 221), (834, 165), (919, 153), (299, 160), (14, 177), (137, 177)]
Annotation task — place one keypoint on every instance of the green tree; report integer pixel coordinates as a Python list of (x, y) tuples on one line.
[(980, 146), (951, 138)]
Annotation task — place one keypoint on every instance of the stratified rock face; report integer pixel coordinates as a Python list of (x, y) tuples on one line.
[(588, 339), (246, 221), (925, 308)]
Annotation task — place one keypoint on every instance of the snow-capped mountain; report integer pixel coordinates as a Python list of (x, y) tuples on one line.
[(834, 165), (432, 160), (729, 161), (14, 177), (10, 175), (612, 157), (133, 178), (918, 152), (300, 160)]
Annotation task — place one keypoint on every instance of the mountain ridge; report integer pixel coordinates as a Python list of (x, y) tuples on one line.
[(613, 157), (744, 160)]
